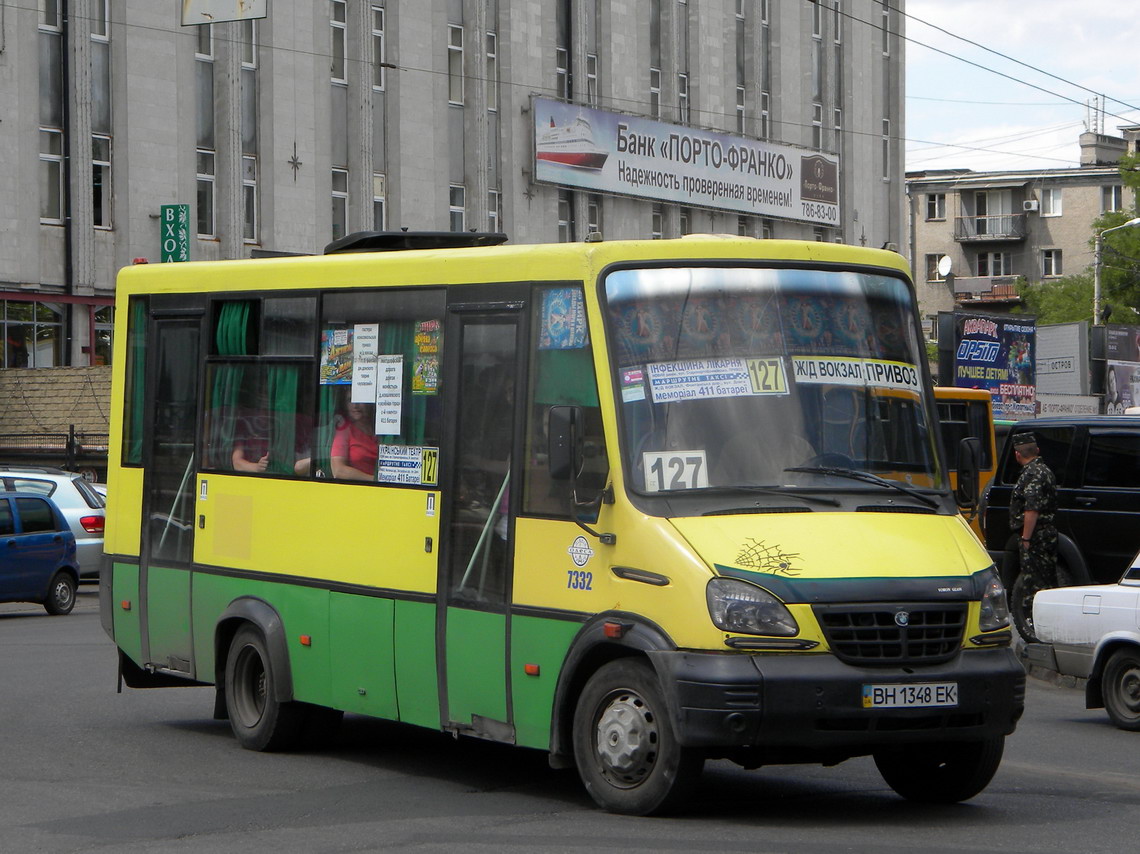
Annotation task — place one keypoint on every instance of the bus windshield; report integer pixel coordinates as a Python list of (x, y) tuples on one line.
[(746, 377)]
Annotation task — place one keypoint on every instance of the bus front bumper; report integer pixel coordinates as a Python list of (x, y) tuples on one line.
[(810, 707)]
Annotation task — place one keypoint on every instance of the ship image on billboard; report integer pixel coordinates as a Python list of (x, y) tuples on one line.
[(602, 151), (998, 353)]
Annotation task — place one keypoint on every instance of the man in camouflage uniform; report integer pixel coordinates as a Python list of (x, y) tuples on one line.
[(1031, 510)]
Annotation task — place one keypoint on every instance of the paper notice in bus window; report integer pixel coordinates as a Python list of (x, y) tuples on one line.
[(336, 356), (425, 368), (389, 394), (365, 347), (632, 385), (704, 379), (563, 320), (876, 373), (407, 464)]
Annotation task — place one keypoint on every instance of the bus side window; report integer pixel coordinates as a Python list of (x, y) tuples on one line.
[(562, 373)]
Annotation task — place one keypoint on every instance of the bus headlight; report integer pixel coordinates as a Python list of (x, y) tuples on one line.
[(737, 606), (995, 609)]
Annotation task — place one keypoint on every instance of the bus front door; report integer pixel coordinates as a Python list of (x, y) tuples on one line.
[(475, 578)]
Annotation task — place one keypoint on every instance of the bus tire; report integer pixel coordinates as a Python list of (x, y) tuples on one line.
[(258, 719), (627, 753), (61, 595), (943, 773), (1121, 687)]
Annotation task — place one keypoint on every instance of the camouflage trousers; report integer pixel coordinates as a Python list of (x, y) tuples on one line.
[(1039, 556)]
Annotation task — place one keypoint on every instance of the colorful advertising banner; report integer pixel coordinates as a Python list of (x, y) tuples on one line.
[(608, 152), (997, 352), (1122, 371)]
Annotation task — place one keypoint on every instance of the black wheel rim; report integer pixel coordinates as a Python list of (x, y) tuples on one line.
[(1128, 693)]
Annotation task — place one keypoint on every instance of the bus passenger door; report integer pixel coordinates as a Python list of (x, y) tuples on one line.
[(167, 547), (476, 560)]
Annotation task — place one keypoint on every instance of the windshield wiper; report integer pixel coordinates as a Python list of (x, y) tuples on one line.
[(772, 490), (867, 477)]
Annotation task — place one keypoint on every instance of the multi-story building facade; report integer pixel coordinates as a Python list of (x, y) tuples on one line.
[(130, 134), (974, 234)]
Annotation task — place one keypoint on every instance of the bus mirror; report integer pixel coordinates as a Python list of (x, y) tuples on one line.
[(969, 463), (564, 453)]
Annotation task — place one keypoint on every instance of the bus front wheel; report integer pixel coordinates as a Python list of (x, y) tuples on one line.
[(627, 753), (943, 773), (258, 719)]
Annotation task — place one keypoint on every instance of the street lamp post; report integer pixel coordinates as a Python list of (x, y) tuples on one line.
[(1098, 248)]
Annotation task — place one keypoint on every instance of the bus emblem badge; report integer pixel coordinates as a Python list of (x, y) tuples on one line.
[(580, 551), (902, 618)]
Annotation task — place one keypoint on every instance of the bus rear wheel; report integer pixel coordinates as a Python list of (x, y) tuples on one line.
[(627, 753), (258, 719), (943, 773)]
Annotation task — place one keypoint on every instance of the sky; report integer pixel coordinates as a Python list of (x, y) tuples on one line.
[(960, 115)]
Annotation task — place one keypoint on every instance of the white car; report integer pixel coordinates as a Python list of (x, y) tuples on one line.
[(1093, 632)]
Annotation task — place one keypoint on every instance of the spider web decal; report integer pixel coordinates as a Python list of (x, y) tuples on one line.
[(755, 554)]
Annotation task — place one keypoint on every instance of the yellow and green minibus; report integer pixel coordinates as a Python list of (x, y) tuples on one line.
[(637, 504)]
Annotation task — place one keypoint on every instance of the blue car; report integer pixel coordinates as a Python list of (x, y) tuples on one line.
[(37, 553)]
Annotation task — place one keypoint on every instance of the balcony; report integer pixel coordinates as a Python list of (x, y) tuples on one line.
[(989, 289), (991, 229)]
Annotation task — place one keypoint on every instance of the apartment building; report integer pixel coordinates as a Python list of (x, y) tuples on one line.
[(132, 133), (974, 234)]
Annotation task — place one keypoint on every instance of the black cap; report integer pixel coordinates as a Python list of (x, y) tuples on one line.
[(1024, 439)]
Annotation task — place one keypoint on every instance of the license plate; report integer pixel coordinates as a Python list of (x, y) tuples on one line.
[(911, 696)]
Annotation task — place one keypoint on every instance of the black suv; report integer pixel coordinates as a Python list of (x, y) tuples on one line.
[(1096, 459)]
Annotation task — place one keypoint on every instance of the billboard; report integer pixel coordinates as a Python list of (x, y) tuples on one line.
[(1122, 370), (606, 152), (998, 352)]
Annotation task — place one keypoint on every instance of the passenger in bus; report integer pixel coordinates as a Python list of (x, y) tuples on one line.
[(354, 446)]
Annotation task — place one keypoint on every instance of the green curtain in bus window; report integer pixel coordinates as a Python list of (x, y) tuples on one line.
[(565, 377), (283, 382), (136, 382), (325, 430), (400, 339), (231, 337)]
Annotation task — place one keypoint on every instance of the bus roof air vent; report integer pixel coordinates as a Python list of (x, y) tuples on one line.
[(390, 241)]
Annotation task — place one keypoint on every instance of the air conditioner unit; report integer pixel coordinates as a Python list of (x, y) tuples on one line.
[(1030, 205)]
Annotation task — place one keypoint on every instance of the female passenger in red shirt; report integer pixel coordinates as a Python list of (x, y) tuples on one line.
[(354, 448)]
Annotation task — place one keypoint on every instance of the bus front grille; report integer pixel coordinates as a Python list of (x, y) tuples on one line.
[(893, 633)]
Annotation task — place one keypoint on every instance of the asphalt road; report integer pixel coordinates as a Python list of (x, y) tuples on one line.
[(83, 768)]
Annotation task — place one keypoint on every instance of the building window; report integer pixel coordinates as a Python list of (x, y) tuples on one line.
[(1051, 201), (379, 202), (249, 43), (1051, 263), (249, 198), (742, 227), (454, 64), (339, 203), (837, 21), (50, 15), (766, 229), (457, 207), (685, 220), (886, 149), (740, 109), (101, 180), (32, 333), (995, 264), (683, 98), (565, 216), (932, 274), (765, 116), (492, 72), (593, 214), (206, 209), (935, 206), (655, 58), (816, 19), (51, 176), (657, 223), (1111, 198), (837, 125), (378, 47), (337, 26), (886, 23), (592, 79), (817, 126), (655, 92), (741, 61), (100, 20), (104, 317), (494, 211)]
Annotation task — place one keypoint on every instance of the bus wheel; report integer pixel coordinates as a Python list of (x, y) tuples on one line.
[(1121, 686), (941, 773), (61, 595), (258, 720), (627, 753)]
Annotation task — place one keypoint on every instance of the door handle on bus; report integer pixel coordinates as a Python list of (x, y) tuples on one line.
[(1086, 500)]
